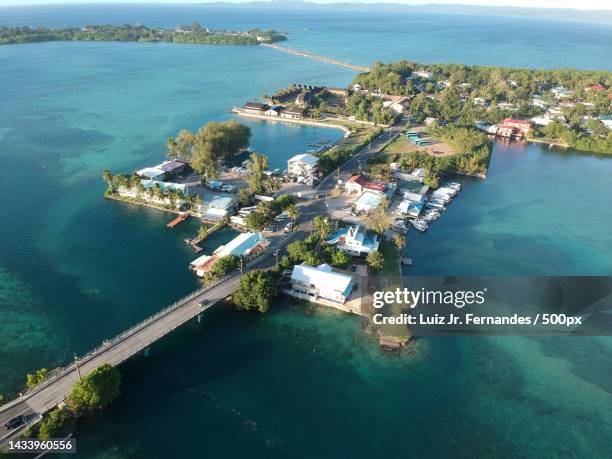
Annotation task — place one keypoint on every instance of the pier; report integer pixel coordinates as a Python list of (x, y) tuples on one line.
[(178, 220), (317, 57)]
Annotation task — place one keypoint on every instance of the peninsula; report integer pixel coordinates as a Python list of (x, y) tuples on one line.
[(194, 34)]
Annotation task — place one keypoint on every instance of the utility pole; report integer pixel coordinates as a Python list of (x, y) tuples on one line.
[(276, 255), (76, 361), (240, 267)]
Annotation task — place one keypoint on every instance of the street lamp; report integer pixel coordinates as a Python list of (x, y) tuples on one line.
[(76, 362)]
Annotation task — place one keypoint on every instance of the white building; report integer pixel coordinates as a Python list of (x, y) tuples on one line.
[(354, 240), (562, 93), (302, 165), (396, 103), (320, 283), (423, 74), (152, 173), (216, 206), (244, 245)]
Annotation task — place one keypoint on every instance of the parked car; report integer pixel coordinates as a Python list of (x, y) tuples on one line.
[(289, 227)]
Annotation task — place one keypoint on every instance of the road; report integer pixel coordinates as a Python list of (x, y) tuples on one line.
[(140, 337)]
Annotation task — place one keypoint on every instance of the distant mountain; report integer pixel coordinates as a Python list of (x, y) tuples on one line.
[(600, 16)]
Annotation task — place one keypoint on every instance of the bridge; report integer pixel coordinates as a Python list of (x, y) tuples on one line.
[(317, 57), (56, 388)]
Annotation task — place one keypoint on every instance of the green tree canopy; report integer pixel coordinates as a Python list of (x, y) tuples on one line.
[(375, 261), (256, 290), (96, 390)]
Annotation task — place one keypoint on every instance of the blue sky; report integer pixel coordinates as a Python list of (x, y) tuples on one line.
[(579, 4)]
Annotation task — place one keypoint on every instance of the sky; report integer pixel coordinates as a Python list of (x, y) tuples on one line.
[(577, 4)]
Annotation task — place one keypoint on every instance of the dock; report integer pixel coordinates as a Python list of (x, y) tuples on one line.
[(178, 220), (194, 244)]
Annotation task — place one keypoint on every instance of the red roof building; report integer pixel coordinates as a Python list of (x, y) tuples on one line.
[(595, 87), (360, 182), (522, 125)]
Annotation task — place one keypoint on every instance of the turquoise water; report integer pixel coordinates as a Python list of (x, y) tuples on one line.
[(75, 268)]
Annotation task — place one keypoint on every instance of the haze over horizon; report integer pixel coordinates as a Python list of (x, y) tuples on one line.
[(569, 4)]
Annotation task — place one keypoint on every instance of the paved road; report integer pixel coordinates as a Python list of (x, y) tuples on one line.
[(143, 335)]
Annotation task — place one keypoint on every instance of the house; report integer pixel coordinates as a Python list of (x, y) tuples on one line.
[(273, 111), (293, 113), (173, 168), (423, 74), (606, 120), (302, 165), (215, 206), (255, 108), (507, 106), (152, 173), (245, 245), (595, 87), (429, 121), (360, 183), (561, 93), (340, 92), (524, 126), (507, 131), (481, 101), (303, 98), (396, 103), (541, 120), (354, 240), (320, 283), (540, 103), (357, 87)]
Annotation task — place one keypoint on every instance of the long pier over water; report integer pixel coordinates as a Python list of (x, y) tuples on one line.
[(317, 57)]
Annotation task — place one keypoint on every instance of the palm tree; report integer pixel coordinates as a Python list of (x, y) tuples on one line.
[(107, 176), (202, 232), (399, 241), (196, 202), (375, 261), (171, 146), (293, 212)]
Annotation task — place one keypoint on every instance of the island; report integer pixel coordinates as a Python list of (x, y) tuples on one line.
[(195, 34)]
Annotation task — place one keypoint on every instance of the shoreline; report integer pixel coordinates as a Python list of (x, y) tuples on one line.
[(290, 120), (548, 142)]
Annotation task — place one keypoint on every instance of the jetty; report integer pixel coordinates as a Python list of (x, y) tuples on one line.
[(317, 57), (178, 220)]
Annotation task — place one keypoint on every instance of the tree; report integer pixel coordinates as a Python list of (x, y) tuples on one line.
[(202, 232), (399, 240), (340, 259), (256, 290), (379, 220), (196, 202), (224, 266), (53, 422), (225, 138), (245, 197), (312, 258), (323, 226), (375, 261), (107, 176), (34, 379), (256, 221), (257, 165), (96, 390), (292, 212), (297, 250)]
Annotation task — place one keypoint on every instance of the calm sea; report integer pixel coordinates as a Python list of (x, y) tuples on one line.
[(75, 269)]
